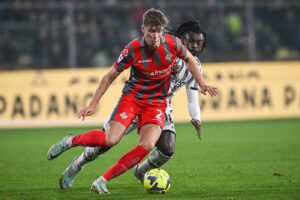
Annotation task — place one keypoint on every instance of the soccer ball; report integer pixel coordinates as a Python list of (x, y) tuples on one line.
[(157, 181)]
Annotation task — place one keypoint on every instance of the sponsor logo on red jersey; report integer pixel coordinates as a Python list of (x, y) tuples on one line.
[(145, 61), (155, 73)]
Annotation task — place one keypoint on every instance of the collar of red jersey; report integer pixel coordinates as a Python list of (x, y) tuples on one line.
[(162, 40)]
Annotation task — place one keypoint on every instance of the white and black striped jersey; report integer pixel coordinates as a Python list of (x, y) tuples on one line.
[(185, 77)]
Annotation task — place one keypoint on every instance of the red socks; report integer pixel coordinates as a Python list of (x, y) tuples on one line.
[(91, 138), (126, 162)]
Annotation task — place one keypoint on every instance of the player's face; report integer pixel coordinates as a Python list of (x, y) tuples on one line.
[(194, 42), (152, 35)]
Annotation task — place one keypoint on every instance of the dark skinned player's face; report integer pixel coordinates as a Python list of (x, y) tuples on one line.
[(152, 35), (193, 42)]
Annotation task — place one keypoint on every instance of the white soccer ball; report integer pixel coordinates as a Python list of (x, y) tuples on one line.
[(157, 181)]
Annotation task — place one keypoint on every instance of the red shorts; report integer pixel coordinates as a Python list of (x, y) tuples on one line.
[(128, 108)]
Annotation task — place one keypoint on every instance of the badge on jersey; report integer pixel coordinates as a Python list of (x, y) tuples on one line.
[(123, 115), (123, 54), (169, 57)]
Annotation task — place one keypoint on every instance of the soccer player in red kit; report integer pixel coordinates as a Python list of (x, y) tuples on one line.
[(150, 59)]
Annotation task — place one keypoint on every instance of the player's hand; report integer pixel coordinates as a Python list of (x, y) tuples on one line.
[(197, 125), (83, 112), (175, 69), (210, 89)]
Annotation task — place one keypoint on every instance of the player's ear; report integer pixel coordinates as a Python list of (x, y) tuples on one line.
[(143, 28)]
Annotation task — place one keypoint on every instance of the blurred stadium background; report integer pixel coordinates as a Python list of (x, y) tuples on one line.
[(40, 34), (88, 35), (54, 52)]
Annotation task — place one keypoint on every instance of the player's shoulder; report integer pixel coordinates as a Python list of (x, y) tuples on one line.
[(168, 36), (135, 43)]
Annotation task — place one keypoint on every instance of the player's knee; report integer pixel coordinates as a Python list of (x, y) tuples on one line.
[(167, 149), (166, 143), (147, 145), (90, 157), (111, 141), (91, 152)]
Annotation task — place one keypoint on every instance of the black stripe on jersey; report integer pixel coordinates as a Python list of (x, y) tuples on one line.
[(131, 83), (167, 49), (123, 62), (144, 57), (180, 46), (191, 80), (152, 92), (194, 88), (186, 73), (180, 63), (131, 50), (156, 59), (196, 84), (142, 90), (113, 114), (143, 51), (175, 42), (173, 90), (164, 91)]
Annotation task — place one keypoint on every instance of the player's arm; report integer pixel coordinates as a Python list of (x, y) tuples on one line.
[(194, 109), (123, 62), (103, 85), (192, 66)]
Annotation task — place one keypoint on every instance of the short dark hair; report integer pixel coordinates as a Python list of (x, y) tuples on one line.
[(154, 17), (187, 27)]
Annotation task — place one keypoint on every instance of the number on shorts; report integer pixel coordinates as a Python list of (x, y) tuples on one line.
[(158, 116)]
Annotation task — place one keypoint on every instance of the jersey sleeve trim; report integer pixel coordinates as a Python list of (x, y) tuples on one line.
[(125, 59)]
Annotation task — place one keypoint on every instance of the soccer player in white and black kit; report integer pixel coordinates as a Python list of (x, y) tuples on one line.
[(194, 38)]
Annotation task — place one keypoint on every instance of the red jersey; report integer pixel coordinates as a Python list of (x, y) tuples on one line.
[(150, 69)]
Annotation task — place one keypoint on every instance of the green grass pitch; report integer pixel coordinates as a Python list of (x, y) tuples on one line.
[(234, 160)]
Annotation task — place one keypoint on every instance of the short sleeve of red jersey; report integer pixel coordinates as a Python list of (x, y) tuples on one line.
[(180, 48), (125, 60)]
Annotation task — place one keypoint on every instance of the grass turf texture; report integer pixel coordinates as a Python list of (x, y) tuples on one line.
[(234, 160)]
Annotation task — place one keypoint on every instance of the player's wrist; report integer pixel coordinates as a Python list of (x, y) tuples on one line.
[(196, 122), (92, 105)]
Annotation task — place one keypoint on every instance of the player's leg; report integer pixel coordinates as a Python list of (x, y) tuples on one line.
[(77, 164), (158, 157), (166, 146), (92, 138), (113, 134), (149, 132), (89, 154), (165, 149)]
